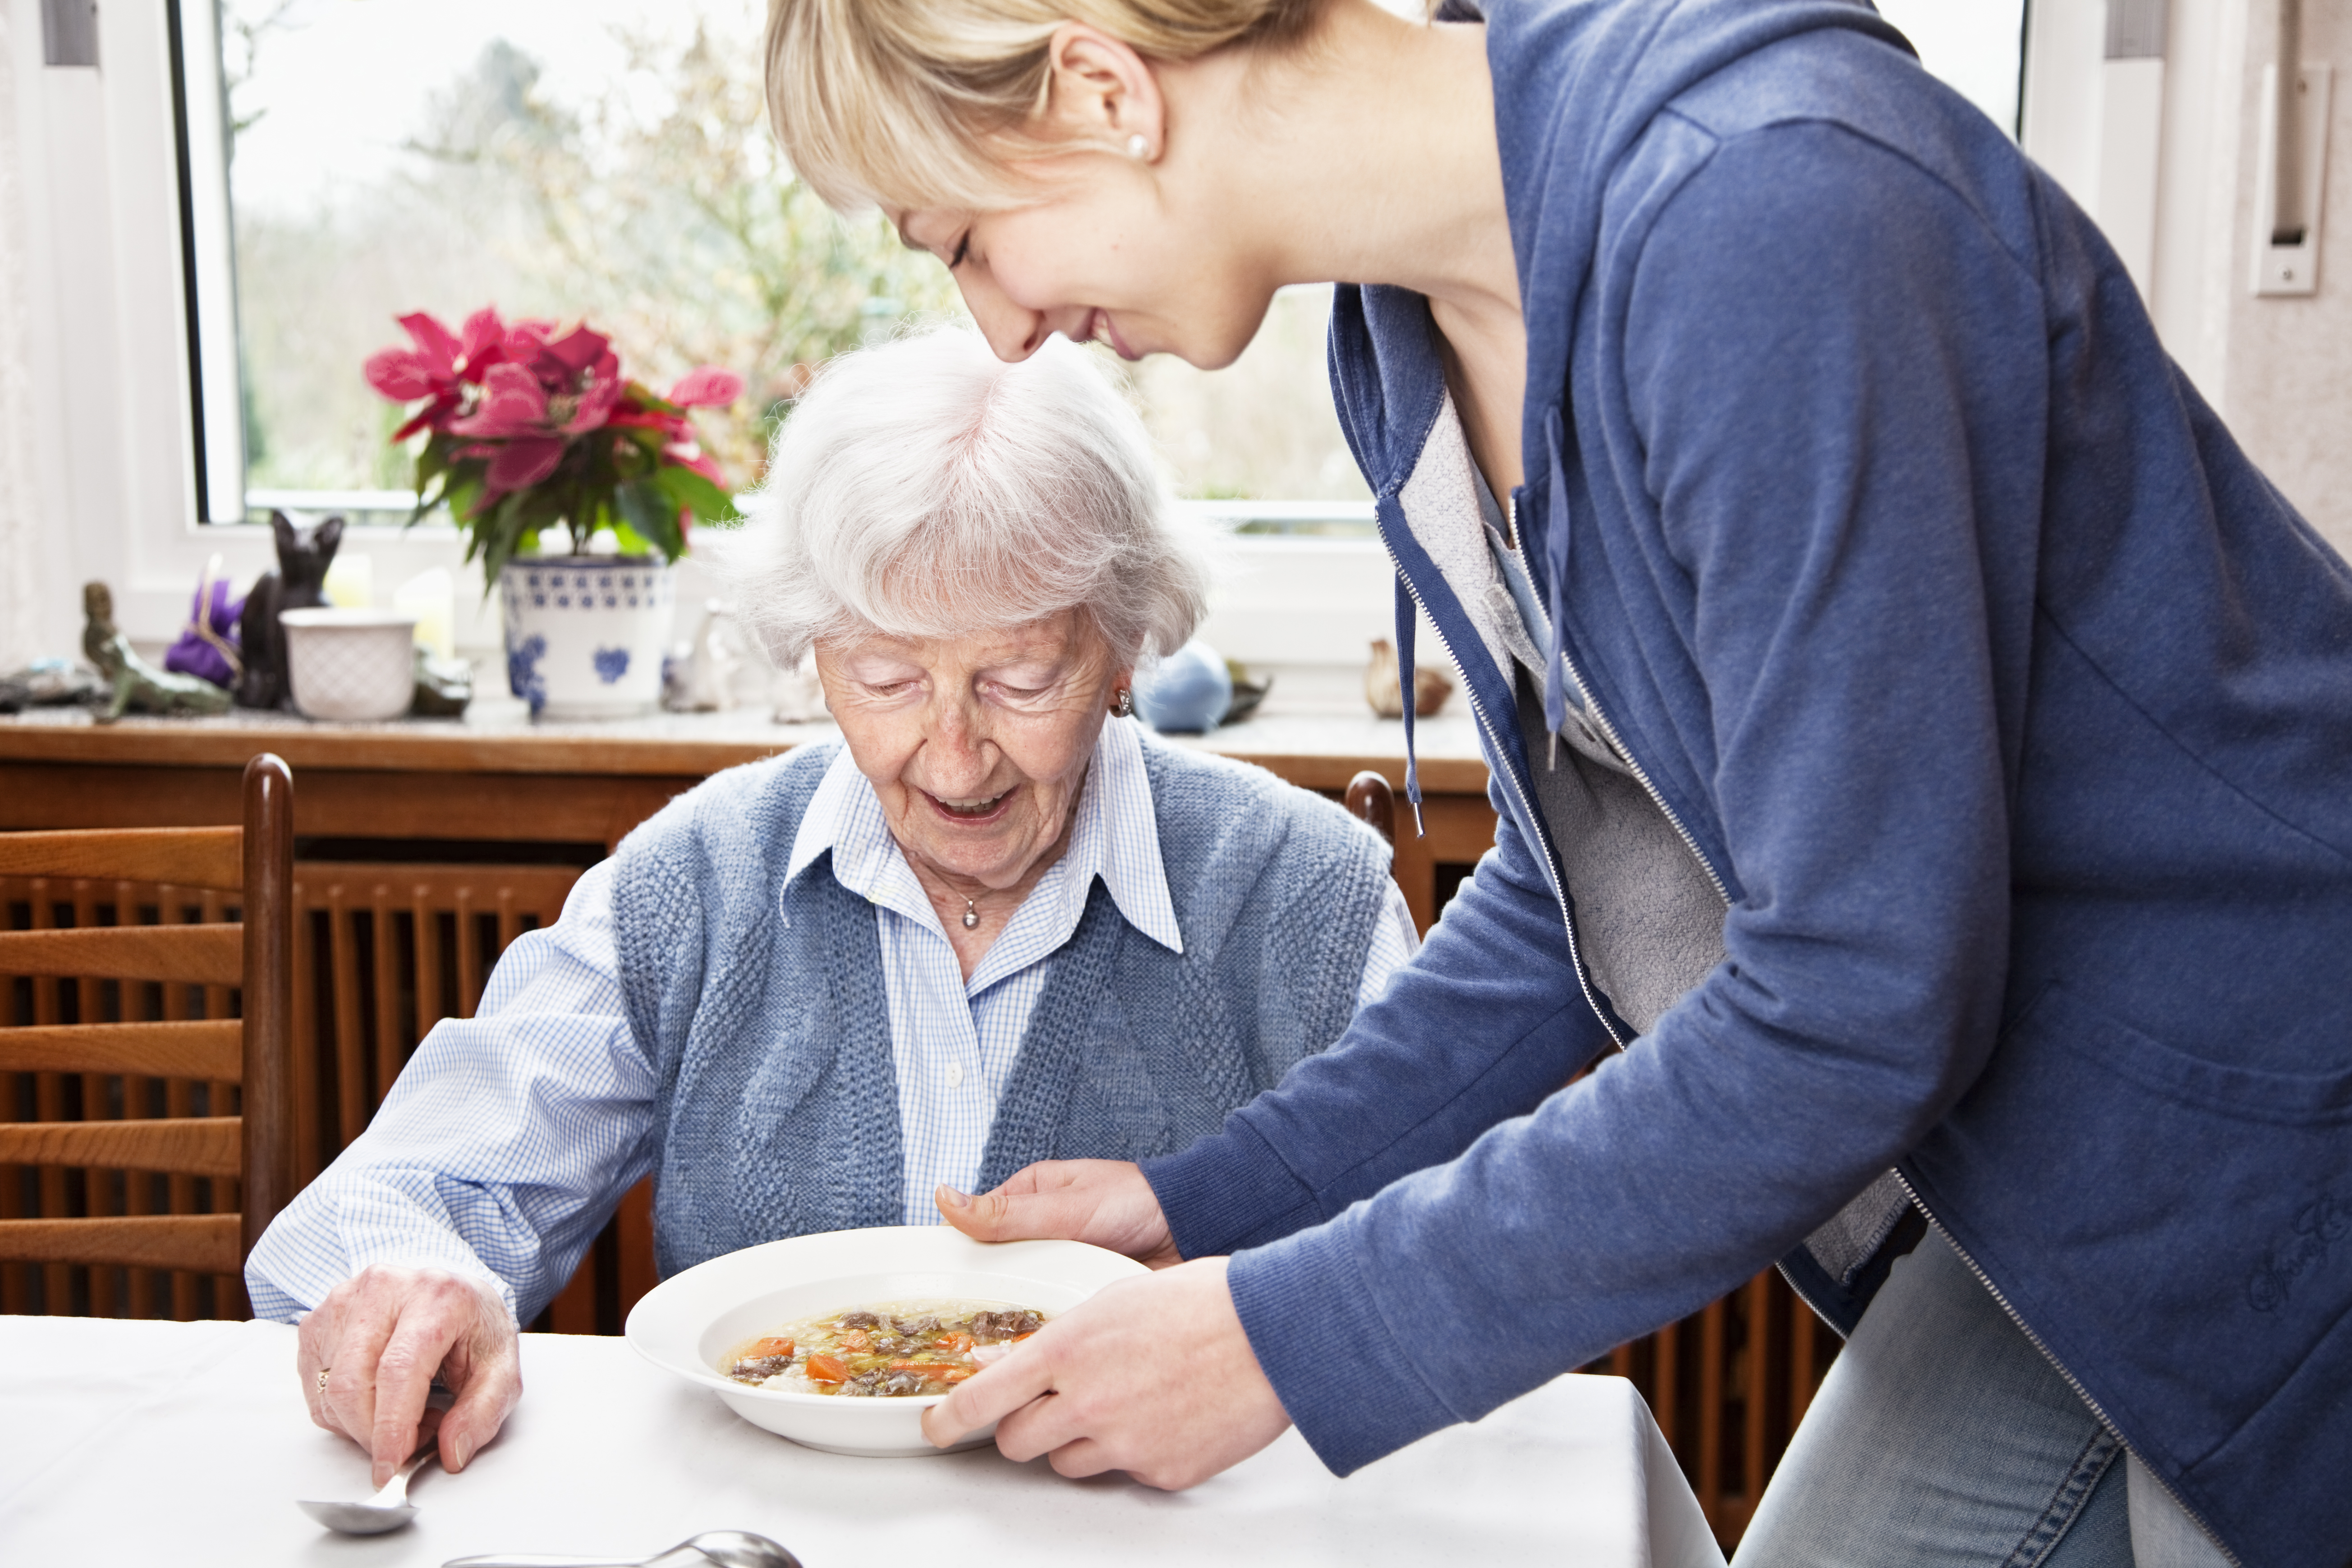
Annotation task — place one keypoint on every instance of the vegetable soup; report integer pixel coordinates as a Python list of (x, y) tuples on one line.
[(889, 1350)]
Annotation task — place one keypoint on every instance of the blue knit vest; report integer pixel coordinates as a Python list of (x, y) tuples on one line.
[(762, 1003)]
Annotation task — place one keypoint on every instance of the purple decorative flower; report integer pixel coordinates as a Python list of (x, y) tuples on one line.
[(207, 646)]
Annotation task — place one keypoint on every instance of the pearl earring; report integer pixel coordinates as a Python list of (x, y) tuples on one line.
[(1137, 147)]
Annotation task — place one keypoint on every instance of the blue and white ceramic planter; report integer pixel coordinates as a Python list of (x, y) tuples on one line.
[(585, 634)]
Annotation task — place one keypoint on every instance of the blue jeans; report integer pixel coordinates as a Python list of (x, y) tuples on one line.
[(1942, 1437)]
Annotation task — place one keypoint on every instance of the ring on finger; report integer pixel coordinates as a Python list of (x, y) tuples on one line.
[(322, 1380)]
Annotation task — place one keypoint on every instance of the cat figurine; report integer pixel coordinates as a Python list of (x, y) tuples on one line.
[(298, 584)]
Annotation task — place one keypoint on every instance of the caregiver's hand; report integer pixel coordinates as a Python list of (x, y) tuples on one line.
[(381, 1335), (1105, 1202), (1151, 1375)]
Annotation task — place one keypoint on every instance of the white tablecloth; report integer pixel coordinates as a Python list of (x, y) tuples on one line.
[(186, 1443)]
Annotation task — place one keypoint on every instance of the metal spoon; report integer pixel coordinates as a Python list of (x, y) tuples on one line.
[(727, 1548), (388, 1509)]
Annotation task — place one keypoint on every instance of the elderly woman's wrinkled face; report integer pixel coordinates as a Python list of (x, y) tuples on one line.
[(977, 746)]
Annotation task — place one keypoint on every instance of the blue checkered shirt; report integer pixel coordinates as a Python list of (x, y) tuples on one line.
[(503, 1146)]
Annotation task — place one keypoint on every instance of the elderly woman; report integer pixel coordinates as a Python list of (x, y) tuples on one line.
[(997, 926)]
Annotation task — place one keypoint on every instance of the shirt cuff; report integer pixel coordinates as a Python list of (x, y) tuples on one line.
[(1228, 1191), (1299, 1296)]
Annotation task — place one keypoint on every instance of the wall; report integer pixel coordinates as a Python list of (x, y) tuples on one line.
[(21, 559), (2286, 370), (2278, 369)]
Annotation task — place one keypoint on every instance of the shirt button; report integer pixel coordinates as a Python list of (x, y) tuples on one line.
[(955, 1075)]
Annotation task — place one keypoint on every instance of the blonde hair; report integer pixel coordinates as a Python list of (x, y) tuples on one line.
[(917, 103), (926, 489)]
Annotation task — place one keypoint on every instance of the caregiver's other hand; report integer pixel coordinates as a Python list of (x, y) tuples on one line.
[(1105, 1202), (383, 1334), (1152, 1375)]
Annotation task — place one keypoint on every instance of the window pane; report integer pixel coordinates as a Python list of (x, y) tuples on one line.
[(1974, 45), (610, 160), (604, 159)]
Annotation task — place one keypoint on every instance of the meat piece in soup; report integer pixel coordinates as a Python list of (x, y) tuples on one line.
[(885, 1352)]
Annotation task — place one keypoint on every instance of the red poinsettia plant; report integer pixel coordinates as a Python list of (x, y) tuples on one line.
[(530, 431)]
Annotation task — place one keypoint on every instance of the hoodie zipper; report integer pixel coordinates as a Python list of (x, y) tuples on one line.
[(2055, 1365), (1495, 747), (1625, 752)]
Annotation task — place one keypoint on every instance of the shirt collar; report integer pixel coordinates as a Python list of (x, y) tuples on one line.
[(1116, 837)]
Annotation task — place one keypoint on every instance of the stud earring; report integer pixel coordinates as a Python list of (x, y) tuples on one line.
[(1126, 708), (1137, 147)]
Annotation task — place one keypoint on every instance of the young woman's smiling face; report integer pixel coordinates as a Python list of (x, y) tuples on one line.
[(1105, 257), (977, 745)]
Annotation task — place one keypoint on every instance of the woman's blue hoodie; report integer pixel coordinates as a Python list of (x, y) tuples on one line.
[(2007, 703)]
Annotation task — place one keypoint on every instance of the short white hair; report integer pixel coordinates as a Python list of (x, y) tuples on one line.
[(926, 489)]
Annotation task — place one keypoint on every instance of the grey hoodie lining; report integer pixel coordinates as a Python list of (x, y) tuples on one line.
[(1649, 921)]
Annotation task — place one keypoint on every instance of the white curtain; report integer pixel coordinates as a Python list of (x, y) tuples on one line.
[(21, 556)]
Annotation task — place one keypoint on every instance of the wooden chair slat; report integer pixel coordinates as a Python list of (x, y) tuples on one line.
[(199, 1244), (199, 1047), (197, 856), (195, 1145), (200, 955)]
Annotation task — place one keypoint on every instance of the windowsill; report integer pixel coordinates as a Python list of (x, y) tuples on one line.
[(498, 735)]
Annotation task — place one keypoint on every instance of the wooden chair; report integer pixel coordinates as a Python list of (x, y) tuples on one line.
[(255, 865), (1372, 799)]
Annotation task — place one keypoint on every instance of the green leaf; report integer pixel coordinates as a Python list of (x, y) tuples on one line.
[(653, 516), (687, 489)]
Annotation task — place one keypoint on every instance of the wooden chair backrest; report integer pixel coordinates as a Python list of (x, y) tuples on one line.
[(113, 1061), (1372, 798)]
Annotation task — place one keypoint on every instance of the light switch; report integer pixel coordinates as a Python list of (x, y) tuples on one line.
[(2291, 268)]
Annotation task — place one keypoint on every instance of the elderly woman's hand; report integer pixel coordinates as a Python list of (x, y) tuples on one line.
[(381, 1336), (1105, 1202)]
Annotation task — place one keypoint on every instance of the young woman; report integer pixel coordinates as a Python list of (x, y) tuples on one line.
[(1920, 736)]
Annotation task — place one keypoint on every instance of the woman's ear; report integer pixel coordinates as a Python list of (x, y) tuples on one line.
[(1104, 92)]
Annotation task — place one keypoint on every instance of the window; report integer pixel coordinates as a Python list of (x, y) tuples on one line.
[(1977, 46), (604, 159), (346, 161)]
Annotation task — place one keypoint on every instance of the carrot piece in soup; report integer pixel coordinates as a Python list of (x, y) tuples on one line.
[(825, 1369), (935, 1371), (772, 1346), (853, 1338), (956, 1342)]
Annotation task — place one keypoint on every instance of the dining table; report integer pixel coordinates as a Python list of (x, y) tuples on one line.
[(188, 1443)]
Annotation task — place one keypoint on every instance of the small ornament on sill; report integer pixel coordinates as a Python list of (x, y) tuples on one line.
[(304, 554), (207, 648), (132, 683), (1383, 690)]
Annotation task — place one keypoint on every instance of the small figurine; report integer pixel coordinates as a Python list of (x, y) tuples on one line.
[(1385, 693), (133, 683), (710, 679), (796, 696), (298, 584)]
